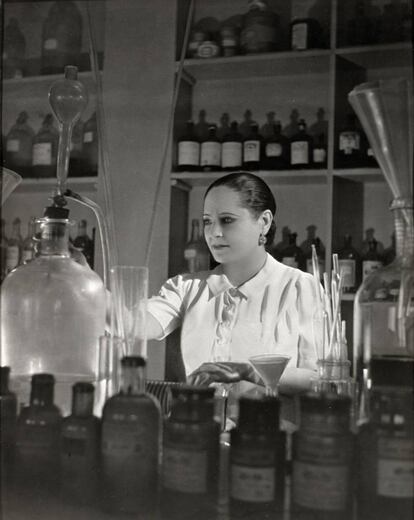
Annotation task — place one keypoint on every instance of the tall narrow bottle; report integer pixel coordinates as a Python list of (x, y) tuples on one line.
[(44, 152), (253, 148), (210, 152), (231, 149), (276, 149), (37, 461), (188, 150), (19, 143), (372, 260), (131, 445), (79, 448), (301, 147), (350, 265), (196, 252), (14, 247), (8, 412)]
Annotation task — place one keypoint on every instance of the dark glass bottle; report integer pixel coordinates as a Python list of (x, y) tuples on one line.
[(14, 47), (232, 149), (196, 252), (257, 461), (37, 441), (292, 255), (322, 459), (190, 467), (350, 265), (390, 251), (277, 249), (188, 150), (276, 150), (385, 445), (44, 152), (252, 149), (19, 143), (79, 448), (8, 413), (131, 445), (372, 260), (349, 151), (90, 147), (84, 243), (210, 152), (224, 127), (305, 33), (301, 147), (61, 37), (319, 154)]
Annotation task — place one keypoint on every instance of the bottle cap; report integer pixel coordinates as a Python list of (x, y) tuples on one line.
[(259, 413), (392, 371), (192, 403), (133, 361)]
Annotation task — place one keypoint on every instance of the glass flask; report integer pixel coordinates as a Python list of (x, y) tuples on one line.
[(384, 304), (52, 314)]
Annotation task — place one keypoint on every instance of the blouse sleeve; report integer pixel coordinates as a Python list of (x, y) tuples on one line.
[(306, 306), (167, 307)]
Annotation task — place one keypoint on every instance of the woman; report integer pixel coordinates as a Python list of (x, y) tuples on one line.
[(249, 304)]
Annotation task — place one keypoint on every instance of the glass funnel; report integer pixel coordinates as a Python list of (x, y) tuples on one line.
[(270, 368), (9, 182)]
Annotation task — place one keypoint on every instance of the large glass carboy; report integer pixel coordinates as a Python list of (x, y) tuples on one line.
[(52, 314)]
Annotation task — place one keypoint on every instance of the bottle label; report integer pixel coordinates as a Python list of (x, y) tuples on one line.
[(188, 153), (50, 44), (12, 145), (88, 137), (231, 156), (273, 150), (348, 273), (210, 154), (299, 152), (12, 257), (300, 36), (251, 150), (348, 142), (369, 266), (252, 484), (395, 477), (42, 154), (290, 260), (319, 155), (185, 470)]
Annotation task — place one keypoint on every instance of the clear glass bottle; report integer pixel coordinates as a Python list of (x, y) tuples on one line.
[(196, 252), (37, 439), (19, 144), (210, 151), (383, 309), (52, 314), (232, 149), (29, 243), (14, 48), (14, 247), (301, 147), (8, 414), (44, 152), (131, 445), (79, 448), (322, 459), (188, 150), (385, 443), (84, 243), (257, 461), (190, 467), (253, 149), (90, 147)]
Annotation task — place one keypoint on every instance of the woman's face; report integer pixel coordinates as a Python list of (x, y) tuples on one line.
[(231, 231)]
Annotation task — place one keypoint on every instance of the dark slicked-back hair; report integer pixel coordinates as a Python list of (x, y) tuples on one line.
[(255, 195)]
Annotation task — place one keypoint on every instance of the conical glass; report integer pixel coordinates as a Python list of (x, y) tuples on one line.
[(270, 368), (9, 182)]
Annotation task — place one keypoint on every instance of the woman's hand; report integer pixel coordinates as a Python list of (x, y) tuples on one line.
[(223, 372)]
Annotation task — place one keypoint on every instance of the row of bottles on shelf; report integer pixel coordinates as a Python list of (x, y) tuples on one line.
[(61, 42), (16, 250), (259, 29), (129, 460), (356, 265), (35, 154), (229, 146)]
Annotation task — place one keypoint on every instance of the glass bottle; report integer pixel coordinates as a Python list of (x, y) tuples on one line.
[(188, 150), (260, 29), (383, 308), (61, 37), (276, 150), (350, 265), (44, 151), (14, 48), (366, 243), (320, 253), (257, 460), (372, 260), (190, 467), (18, 148), (319, 154), (90, 147), (245, 125), (322, 456), (3, 251), (301, 147), (52, 314), (196, 252), (14, 248), (224, 127), (84, 243), (210, 152), (232, 149), (131, 445), (201, 128), (349, 154), (385, 445), (389, 252), (292, 255), (253, 149), (28, 246), (8, 413), (305, 33), (79, 448), (37, 439), (277, 249), (229, 39)]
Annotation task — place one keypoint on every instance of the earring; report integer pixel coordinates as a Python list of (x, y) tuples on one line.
[(262, 240)]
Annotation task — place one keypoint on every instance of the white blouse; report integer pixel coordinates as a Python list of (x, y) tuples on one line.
[(270, 313)]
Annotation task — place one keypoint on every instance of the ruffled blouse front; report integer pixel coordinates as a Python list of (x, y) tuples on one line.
[(271, 313)]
